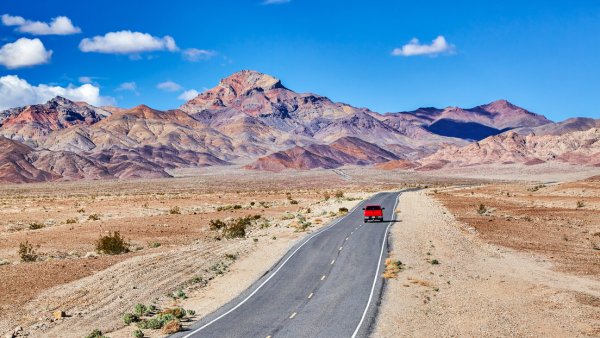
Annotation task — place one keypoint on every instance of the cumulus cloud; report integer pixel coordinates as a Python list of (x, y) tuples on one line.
[(188, 94), (195, 54), (414, 47), (61, 25), (169, 86), (275, 2), (15, 92), (127, 42), (23, 53)]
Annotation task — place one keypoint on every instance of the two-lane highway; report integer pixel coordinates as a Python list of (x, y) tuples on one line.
[(327, 285)]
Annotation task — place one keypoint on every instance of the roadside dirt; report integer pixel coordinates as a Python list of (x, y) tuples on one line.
[(455, 284), (95, 291)]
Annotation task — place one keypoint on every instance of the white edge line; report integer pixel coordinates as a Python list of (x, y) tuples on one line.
[(268, 279), (377, 271)]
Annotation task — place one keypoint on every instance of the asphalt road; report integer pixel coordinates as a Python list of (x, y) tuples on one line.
[(328, 285)]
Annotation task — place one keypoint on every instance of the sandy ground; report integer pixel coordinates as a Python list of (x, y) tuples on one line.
[(477, 289), (95, 291)]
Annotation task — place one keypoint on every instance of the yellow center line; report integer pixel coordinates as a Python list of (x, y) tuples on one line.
[(293, 315)]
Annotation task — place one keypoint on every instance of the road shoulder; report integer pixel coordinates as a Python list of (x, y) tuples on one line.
[(476, 289)]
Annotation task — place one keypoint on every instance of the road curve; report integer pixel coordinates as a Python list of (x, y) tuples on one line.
[(328, 285)]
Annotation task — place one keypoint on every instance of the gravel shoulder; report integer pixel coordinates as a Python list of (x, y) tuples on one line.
[(477, 289)]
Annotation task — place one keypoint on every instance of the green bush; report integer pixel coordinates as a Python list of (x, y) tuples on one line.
[(71, 221), (129, 318), (175, 210), (151, 324), (140, 309), (112, 244), (138, 334), (343, 210), (339, 194)]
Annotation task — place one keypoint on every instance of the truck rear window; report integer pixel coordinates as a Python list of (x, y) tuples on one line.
[(373, 207)]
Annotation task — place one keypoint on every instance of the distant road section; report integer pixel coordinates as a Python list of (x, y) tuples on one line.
[(326, 286)]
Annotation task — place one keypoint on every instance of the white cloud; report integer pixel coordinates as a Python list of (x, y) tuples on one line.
[(275, 2), (195, 54), (23, 53), (85, 79), (127, 87), (127, 42), (15, 92), (438, 45), (169, 86), (60, 25), (188, 95), (9, 20)]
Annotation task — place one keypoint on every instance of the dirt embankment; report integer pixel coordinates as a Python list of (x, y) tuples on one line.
[(455, 284)]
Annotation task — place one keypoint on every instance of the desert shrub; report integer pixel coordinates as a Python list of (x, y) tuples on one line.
[(339, 194), (172, 326), (129, 318), (175, 210), (191, 313), (580, 204), (252, 203), (237, 228), (96, 334), (35, 225), (435, 262), (94, 217), (216, 224), (180, 294), (482, 209), (392, 268), (112, 244), (233, 257), (140, 309), (151, 323), (81, 211), (138, 334), (154, 245), (71, 221), (176, 312), (237, 206), (343, 210), (326, 196), (293, 202), (27, 253), (264, 204)]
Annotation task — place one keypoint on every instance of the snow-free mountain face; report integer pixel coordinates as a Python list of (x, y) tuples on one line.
[(249, 118), (473, 124)]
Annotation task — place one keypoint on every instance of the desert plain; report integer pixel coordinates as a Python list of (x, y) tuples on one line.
[(514, 255)]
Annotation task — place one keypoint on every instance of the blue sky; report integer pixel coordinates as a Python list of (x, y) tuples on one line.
[(542, 56)]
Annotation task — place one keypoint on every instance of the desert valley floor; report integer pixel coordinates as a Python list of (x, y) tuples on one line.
[(538, 237)]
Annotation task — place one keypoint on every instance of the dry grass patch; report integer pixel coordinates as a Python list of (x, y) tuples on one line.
[(418, 281), (392, 268)]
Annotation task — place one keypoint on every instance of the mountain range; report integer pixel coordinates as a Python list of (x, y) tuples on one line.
[(252, 119)]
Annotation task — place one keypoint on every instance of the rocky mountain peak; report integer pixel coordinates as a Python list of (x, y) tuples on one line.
[(246, 81)]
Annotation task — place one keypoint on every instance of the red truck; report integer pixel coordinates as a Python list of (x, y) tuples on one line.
[(373, 212)]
